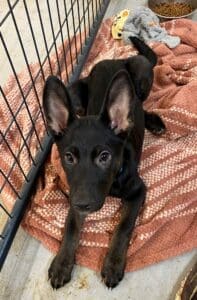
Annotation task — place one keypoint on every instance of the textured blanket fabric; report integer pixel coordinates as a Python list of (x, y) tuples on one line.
[(167, 224), (144, 24)]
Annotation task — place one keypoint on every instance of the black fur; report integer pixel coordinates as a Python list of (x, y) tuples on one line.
[(100, 151)]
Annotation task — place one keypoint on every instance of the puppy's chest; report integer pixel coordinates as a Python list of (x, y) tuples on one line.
[(117, 188), (120, 183)]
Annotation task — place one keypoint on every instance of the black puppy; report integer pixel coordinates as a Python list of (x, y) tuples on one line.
[(100, 152)]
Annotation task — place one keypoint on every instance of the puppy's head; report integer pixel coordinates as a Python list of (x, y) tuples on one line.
[(91, 148)]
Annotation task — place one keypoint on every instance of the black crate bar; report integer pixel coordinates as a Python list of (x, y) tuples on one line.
[(89, 14)]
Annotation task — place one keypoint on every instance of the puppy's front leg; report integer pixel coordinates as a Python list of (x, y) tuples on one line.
[(115, 260), (62, 265)]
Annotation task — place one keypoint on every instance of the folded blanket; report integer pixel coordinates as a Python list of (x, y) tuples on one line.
[(167, 225)]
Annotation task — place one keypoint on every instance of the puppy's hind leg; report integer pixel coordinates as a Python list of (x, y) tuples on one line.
[(154, 123)]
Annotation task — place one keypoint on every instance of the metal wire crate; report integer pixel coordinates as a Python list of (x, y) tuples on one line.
[(35, 31)]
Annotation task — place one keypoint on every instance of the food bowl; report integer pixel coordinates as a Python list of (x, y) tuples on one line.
[(173, 9)]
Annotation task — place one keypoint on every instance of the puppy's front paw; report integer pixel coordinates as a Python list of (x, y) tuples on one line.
[(59, 273), (112, 272)]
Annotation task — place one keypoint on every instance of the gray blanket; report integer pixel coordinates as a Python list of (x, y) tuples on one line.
[(143, 23)]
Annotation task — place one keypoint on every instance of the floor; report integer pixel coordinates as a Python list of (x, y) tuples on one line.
[(24, 275)]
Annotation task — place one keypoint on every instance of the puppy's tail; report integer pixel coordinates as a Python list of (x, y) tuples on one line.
[(144, 50)]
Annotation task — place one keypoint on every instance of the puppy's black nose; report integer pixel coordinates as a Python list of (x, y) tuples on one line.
[(82, 207)]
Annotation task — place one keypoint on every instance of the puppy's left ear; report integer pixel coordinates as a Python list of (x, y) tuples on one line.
[(117, 111)]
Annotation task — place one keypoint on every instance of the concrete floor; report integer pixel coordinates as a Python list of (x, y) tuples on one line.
[(24, 275)]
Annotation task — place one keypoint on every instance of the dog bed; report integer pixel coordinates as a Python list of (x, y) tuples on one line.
[(167, 224)]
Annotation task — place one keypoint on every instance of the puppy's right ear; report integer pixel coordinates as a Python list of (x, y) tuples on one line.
[(57, 106)]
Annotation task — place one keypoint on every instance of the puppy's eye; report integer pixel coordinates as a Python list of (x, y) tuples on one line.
[(103, 159), (70, 158)]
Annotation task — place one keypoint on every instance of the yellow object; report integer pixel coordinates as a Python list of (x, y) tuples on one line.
[(118, 23)]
